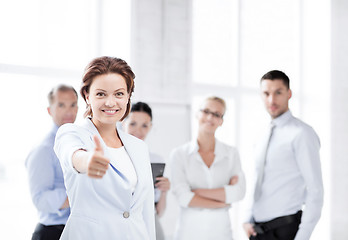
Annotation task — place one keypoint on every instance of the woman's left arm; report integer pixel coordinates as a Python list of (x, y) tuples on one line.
[(232, 192), (163, 185), (217, 194), (235, 192)]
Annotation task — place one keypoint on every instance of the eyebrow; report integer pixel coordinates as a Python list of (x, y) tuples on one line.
[(278, 89), (99, 89), (120, 89)]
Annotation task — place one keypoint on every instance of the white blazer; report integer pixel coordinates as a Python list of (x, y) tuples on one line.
[(106, 208)]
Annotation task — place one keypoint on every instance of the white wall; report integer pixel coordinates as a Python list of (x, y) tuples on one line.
[(339, 120), (160, 57)]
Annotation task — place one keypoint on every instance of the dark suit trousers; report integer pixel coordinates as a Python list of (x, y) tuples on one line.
[(286, 232), (43, 232)]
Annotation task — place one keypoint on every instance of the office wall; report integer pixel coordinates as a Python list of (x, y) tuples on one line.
[(339, 120), (160, 56)]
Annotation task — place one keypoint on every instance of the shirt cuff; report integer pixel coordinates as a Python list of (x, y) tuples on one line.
[(186, 198)]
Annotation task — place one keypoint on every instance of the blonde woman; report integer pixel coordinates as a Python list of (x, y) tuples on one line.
[(206, 179)]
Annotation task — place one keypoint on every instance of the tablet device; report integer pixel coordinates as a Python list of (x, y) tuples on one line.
[(157, 170)]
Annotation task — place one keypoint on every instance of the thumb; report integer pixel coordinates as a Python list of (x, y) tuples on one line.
[(98, 146)]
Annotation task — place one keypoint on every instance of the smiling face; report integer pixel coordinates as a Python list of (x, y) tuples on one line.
[(108, 98), (63, 108), (138, 124), (275, 96), (210, 116)]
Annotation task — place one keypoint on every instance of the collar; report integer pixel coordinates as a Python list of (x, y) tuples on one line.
[(282, 119), (88, 124), (54, 128), (193, 147), (219, 149)]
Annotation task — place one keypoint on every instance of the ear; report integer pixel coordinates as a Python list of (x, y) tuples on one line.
[(222, 121), (289, 93), (49, 111), (87, 98)]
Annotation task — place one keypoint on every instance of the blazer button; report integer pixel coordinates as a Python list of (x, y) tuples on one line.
[(126, 214)]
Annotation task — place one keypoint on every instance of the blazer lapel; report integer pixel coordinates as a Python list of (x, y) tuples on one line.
[(137, 159), (88, 124)]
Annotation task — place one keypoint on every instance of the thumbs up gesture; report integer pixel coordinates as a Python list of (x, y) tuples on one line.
[(98, 163)]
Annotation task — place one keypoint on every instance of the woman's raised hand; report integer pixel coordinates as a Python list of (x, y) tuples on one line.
[(98, 163)]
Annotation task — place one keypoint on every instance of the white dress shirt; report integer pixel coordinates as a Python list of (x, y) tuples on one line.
[(292, 175), (46, 182), (188, 172)]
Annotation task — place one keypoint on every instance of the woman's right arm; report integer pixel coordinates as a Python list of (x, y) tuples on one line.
[(181, 187), (80, 160), (202, 202), (70, 148), (93, 163)]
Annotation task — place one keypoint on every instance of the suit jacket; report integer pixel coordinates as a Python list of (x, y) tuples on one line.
[(106, 208)]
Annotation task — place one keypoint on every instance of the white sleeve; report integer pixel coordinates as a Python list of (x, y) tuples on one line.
[(180, 186), (235, 192), (68, 140), (307, 147)]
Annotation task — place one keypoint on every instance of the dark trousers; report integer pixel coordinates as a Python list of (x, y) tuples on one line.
[(43, 232), (284, 232)]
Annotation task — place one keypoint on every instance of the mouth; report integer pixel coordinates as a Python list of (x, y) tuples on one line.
[(273, 108), (68, 120), (110, 111)]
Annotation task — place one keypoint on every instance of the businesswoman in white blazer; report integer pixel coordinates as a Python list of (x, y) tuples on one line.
[(107, 172), (206, 179), (139, 123)]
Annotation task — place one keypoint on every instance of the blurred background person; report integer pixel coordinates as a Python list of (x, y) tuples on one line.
[(206, 178), (288, 170), (45, 175), (139, 123)]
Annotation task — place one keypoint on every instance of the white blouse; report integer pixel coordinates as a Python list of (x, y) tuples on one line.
[(188, 172), (124, 165)]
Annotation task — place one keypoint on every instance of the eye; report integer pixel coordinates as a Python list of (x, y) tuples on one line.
[(133, 124), (205, 111), (100, 94), (217, 115), (145, 126), (278, 92), (60, 104), (119, 94), (73, 105)]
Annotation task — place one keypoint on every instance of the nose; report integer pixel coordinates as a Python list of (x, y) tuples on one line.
[(70, 112), (110, 102), (270, 99), (210, 116)]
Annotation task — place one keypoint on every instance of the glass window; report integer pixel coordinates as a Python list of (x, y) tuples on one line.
[(43, 44), (215, 42)]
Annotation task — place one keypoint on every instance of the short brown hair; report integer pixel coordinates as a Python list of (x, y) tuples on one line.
[(277, 75), (59, 88), (106, 65)]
